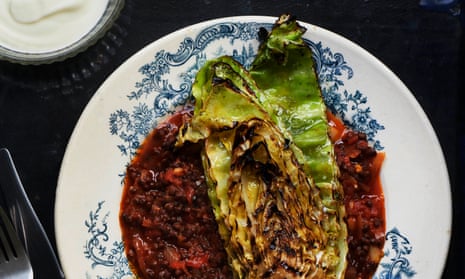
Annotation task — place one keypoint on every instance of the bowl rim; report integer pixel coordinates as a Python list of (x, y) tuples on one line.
[(112, 11)]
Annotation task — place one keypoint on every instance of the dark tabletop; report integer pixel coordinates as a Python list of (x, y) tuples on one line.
[(40, 105)]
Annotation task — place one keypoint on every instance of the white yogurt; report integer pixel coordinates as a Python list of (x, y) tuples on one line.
[(40, 26)]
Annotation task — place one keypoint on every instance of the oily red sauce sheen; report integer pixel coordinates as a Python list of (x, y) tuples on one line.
[(359, 166), (168, 226)]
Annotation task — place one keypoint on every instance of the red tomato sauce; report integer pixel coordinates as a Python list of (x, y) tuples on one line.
[(359, 166), (168, 227)]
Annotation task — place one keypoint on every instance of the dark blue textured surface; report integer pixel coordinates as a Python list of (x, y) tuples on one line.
[(439, 5), (39, 105)]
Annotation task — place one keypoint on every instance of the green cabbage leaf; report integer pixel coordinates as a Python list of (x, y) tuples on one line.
[(284, 70), (270, 214)]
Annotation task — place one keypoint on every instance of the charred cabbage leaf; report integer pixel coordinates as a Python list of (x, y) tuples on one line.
[(284, 70), (268, 210)]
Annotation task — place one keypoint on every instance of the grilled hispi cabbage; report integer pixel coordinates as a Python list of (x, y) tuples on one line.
[(269, 212), (284, 70)]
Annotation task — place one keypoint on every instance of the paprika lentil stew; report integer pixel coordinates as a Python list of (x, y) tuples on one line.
[(168, 227), (360, 166)]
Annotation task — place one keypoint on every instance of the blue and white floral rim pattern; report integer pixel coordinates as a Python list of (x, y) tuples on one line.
[(158, 94)]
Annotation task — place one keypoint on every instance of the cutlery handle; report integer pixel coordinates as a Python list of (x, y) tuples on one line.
[(41, 253)]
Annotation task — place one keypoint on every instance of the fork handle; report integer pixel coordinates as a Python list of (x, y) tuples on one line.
[(43, 258)]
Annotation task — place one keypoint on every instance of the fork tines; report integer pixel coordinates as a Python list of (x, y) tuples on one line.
[(14, 261)]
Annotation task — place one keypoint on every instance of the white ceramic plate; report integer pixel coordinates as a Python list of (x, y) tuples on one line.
[(147, 87)]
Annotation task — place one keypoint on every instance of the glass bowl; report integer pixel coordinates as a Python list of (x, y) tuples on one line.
[(69, 48)]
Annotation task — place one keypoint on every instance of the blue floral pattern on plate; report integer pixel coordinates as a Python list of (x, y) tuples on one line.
[(158, 94), (109, 253), (102, 251)]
